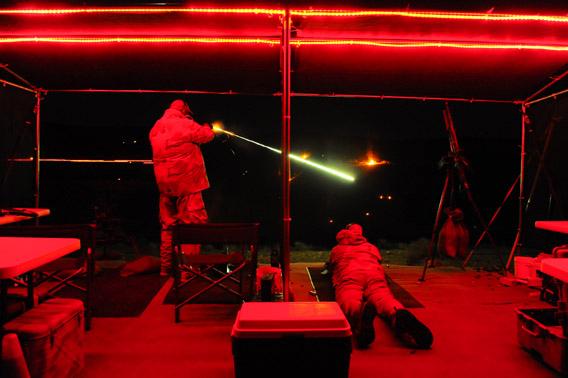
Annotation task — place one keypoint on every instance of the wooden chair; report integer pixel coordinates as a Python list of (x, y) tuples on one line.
[(212, 268), (64, 271)]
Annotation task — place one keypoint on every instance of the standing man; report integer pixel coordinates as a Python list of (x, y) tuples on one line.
[(180, 173)]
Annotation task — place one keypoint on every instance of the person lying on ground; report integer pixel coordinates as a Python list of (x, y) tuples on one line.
[(362, 292)]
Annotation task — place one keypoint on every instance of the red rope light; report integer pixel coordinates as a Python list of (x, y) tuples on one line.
[(433, 15), (263, 41), (299, 12), (251, 11), (297, 43), (407, 44)]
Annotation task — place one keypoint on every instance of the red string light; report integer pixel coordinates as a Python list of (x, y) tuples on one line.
[(407, 44), (377, 42), (251, 11), (297, 43), (299, 12), (432, 15), (139, 40)]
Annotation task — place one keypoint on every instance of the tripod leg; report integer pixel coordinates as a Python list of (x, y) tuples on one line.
[(541, 166), (430, 258), (554, 193), (489, 225), (474, 206)]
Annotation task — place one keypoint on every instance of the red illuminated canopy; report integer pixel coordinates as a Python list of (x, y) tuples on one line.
[(379, 52)]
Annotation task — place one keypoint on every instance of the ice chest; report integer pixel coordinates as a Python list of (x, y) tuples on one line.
[(51, 337), (291, 339), (540, 333)]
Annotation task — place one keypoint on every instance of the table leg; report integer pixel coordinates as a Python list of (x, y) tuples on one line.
[(3, 301), (29, 278)]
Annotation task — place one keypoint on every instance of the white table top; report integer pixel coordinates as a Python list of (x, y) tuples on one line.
[(557, 268), (6, 219), (556, 226), (19, 255)]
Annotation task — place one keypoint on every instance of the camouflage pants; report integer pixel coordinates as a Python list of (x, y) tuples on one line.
[(372, 286), (174, 210)]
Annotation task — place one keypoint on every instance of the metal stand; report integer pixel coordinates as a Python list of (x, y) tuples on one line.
[(455, 165), (542, 168)]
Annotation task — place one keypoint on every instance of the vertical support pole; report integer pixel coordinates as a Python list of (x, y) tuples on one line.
[(285, 147), (517, 244), (36, 156)]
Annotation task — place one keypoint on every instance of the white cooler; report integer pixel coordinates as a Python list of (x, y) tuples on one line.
[(291, 339)]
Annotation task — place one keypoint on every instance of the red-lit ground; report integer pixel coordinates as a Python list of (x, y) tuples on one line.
[(470, 313)]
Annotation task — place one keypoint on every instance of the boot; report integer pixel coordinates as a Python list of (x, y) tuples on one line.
[(365, 334), (411, 331)]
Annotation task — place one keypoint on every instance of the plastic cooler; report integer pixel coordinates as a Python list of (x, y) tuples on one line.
[(51, 337), (539, 332), (287, 339)]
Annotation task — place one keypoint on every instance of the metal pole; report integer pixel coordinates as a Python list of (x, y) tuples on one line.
[(36, 157), (409, 98), (430, 258), (160, 91), (555, 80), (486, 229), (285, 68), (517, 243)]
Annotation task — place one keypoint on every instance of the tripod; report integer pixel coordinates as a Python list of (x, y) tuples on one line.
[(455, 165)]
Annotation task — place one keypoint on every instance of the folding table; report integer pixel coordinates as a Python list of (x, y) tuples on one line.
[(21, 255)]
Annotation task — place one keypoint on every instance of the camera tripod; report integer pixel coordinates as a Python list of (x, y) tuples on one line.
[(455, 165)]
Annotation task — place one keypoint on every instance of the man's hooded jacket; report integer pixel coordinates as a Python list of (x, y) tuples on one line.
[(353, 254), (178, 162)]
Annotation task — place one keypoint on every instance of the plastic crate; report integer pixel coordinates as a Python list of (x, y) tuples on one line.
[(287, 339), (540, 333)]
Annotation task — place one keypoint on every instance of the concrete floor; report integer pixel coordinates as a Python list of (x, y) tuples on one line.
[(471, 315)]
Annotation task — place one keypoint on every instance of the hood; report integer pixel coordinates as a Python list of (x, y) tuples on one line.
[(173, 113), (352, 235)]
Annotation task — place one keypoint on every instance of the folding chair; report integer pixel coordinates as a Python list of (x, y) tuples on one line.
[(64, 271), (212, 268)]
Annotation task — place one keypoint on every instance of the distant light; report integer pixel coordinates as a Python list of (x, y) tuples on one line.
[(367, 214), (305, 155), (389, 198), (371, 161), (330, 221), (381, 196)]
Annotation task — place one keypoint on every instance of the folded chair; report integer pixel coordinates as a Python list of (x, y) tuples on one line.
[(64, 271), (222, 270)]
